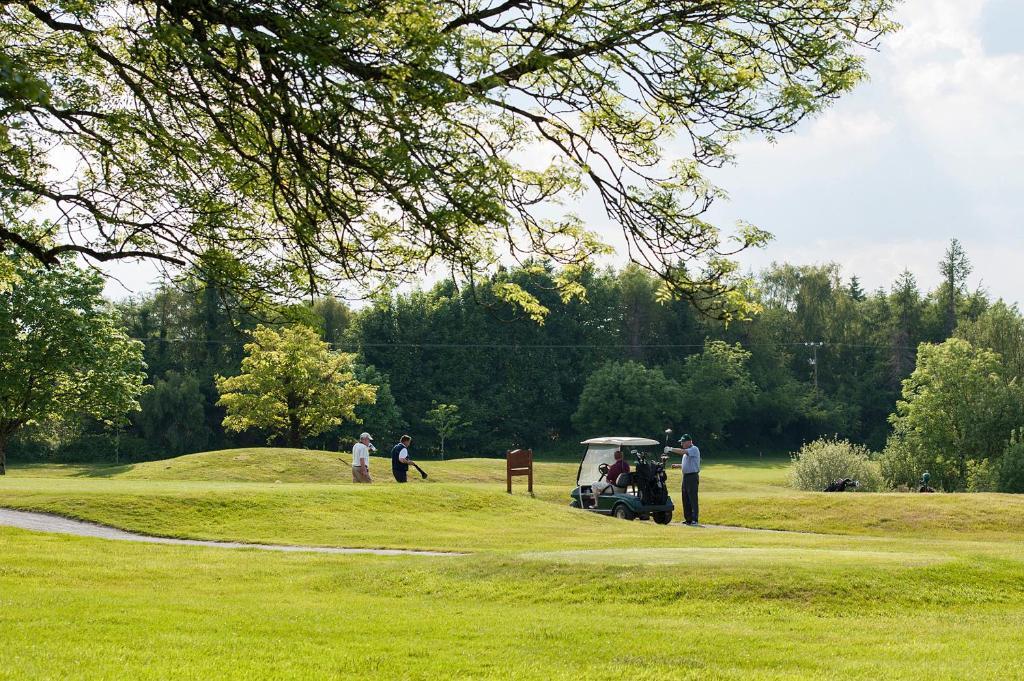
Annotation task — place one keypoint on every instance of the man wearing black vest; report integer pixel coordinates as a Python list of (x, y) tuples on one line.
[(400, 459)]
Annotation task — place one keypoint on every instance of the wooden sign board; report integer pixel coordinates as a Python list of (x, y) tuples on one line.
[(519, 462)]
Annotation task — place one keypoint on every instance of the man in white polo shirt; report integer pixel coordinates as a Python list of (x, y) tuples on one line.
[(361, 459)]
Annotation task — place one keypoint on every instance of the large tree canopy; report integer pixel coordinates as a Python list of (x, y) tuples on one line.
[(62, 355), (958, 405), (292, 385), (328, 141)]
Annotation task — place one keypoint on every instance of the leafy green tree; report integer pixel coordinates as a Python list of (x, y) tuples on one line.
[(334, 318), (1011, 467), (292, 385), (639, 309), (172, 417), (855, 290), (905, 324), (957, 406), (61, 352), (1001, 329), (446, 420), (628, 399), (296, 135), (716, 388)]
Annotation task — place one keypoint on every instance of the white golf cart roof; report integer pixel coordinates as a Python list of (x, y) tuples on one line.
[(601, 450), (619, 441)]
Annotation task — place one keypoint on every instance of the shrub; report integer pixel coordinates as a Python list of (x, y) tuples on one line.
[(982, 476), (898, 467), (1011, 467), (905, 459), (822, 461)]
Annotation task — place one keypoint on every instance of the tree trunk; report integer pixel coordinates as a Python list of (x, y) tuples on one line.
[(294, 434), (442, 448), (294, 426), (3, 456)]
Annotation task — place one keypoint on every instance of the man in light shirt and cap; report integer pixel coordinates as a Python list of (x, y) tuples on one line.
[(361, 458), (691, 476)]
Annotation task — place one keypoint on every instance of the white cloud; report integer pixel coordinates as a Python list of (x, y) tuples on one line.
[(836, 132), (935, 25), (931, 148), (965, 104)]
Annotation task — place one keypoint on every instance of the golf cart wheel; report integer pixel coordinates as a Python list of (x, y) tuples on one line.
[(663, 517), (622, 512)]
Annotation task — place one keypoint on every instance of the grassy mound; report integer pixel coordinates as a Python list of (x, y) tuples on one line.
[(276, 464), (418, 515), (306, 496)]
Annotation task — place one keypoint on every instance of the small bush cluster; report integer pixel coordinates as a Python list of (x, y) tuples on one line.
[(820, 462), (899, 468)]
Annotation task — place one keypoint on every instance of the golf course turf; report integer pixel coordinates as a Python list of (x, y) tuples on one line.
[(868, 586)]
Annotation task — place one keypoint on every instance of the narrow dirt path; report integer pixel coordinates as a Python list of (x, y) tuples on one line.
[(47, 522)]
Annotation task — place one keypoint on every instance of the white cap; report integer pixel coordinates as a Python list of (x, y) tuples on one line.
[(365, 436)]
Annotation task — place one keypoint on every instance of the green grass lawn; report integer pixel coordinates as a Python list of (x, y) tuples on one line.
[(873, 586)]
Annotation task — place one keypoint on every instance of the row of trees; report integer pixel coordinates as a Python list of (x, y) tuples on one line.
[(463, 365)]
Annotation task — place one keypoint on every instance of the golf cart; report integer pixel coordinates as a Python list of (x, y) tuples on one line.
[(639, 494)]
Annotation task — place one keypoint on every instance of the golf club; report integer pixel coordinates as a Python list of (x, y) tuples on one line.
[(423, 473)]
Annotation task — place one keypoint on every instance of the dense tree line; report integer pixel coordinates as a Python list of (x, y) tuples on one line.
[(823, 357)]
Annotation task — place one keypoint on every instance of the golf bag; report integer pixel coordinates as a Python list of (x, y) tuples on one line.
[(649, 479), (841, 485)]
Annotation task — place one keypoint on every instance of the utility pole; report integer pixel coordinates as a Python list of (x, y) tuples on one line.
[(814, 362)]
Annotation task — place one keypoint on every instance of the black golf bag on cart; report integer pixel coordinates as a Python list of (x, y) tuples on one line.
[(649, 479)]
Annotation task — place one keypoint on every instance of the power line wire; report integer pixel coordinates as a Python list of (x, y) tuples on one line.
[(539, 346)]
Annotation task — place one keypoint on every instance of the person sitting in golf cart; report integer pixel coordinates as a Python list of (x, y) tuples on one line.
[(614, 471)]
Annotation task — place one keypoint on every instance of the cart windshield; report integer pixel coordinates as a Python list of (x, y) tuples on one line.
[(596, 455)]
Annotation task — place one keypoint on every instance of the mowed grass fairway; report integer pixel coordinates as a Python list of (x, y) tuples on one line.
[(873, 586)]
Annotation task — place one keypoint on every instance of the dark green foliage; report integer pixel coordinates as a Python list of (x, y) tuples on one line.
[(1011, 466), (628, 399), (86, 447), (999, 328), (954, 269), (62, 355), (173, 415), (748, 385), (715, 388)]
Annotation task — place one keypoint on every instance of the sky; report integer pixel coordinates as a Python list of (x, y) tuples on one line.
[(930, 149)]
